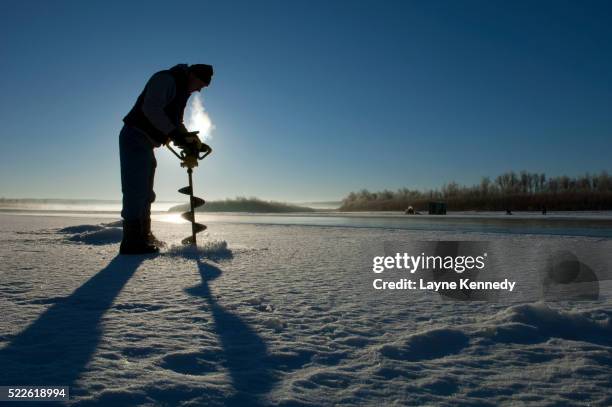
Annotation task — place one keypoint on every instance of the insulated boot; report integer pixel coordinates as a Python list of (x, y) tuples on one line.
[(151, 238), (134, 240)]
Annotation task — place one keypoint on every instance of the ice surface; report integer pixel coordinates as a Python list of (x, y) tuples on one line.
[(282, 315), (214, 250)]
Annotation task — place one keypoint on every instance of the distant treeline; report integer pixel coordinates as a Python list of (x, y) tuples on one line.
[(524, 191), (242, 204)]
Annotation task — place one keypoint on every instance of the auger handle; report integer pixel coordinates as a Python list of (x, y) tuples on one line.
[(205, 154), (183, 154), (174, 152)]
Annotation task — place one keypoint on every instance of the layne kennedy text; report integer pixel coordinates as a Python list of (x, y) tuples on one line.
[(462, 284)]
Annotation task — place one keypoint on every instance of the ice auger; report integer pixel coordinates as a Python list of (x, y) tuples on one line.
[(189, 157)]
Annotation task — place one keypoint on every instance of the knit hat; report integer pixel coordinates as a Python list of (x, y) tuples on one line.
[(203, 72)]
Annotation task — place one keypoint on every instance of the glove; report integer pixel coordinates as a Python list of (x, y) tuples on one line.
[(193, 140), (183, 138)]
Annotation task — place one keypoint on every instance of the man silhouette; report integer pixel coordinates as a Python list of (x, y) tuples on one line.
[(155, 120)]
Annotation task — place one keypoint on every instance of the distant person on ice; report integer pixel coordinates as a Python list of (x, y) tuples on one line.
[(155, 120)]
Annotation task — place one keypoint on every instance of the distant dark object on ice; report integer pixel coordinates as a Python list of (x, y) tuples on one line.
[(410, 211), (437, 208)]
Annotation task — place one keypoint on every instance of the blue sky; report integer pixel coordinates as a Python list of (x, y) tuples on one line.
[(310, 100)]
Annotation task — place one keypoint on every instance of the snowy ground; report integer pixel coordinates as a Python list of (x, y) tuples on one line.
[(286, 315)]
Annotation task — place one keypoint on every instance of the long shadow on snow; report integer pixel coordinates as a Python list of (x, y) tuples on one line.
[(245, 353), (56, 348)]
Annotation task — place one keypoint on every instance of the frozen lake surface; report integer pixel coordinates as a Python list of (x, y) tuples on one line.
[(280, 310), (585, 223)]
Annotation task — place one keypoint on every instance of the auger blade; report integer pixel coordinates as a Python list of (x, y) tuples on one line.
[(187, 216), (197, 202), (186, 190), (187, 241), (198, 227), (194, 202)]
